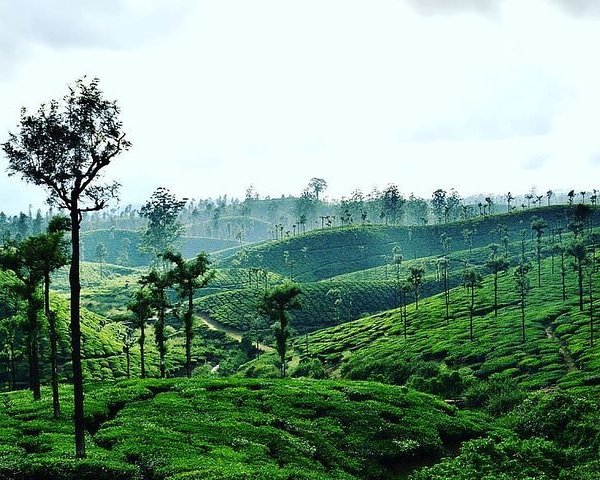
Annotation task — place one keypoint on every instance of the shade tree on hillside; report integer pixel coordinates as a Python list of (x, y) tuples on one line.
[(164, 228), (438, 204), (522, 286), (416, 279), (188, 276), (53, 254), (275, 304), (65, 147), (20, 257), (538, 226), (316, 186), (101, 253), (397, 259), (11, 325), (580, 259), (471, 280), (392, 204), (589, 272), (496, 265), (158, 283), (140, 306)]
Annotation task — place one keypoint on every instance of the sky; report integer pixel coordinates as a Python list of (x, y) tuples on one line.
[(485, 96)]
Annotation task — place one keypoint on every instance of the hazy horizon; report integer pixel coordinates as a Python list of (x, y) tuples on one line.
[(482, 96)]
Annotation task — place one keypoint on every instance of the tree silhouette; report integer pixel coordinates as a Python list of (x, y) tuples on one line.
[(578, 251), (522, 287), (20, 257), (416, 280), (275, 304), (64, 148), (538, 225), (158, 283), (53, 253), (496, 264), (317, 185), (101, 254), (509, 198), (164, 228), (141, 307), (471, 281), (188, 276)]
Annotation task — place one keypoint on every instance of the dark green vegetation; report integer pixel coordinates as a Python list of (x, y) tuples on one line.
[(484, 328), (232, 429)]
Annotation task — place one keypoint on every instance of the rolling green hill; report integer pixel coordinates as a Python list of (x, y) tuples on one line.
[(233, 429), (123, 246), (322, 254), (556, 351)]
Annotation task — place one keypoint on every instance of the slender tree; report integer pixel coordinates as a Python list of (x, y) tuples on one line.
[(53, 253), (158, 283), (64, 148), (538, 226), (20, 258), (580, 257), (416, 279), (275, 304), (188, 276), (590, 277), (141, 308), (164, 228), (471, 280), (101, 254), (522, 286), (496, 264)]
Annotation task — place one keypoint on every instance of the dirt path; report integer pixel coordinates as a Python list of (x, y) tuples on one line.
[(568, 359), (213, 324)]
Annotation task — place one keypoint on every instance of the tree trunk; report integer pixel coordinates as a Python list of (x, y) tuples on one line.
[(563, 275), (13, 365), (446, 292), (539, 262), (128, 360), (580, 283), (53, 346), (142, 342), (32, 346), (471, 313), (188, 335), (161, 342), (523, 318), (75, 285)]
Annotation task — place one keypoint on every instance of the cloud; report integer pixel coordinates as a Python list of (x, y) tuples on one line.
[(595, 159), (452, 7), (579, 8), (63, 24), (536, 162), (498, 105)]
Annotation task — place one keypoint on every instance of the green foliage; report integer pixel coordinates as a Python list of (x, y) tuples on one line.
[(231, 429)]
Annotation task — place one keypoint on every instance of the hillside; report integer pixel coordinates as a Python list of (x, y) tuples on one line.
[(123, 246), (233, 429), (326, 253), (438, 356)]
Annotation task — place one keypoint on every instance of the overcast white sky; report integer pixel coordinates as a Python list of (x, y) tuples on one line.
[(482, 95)]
